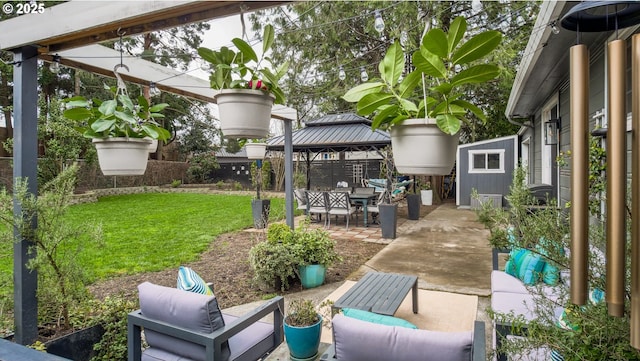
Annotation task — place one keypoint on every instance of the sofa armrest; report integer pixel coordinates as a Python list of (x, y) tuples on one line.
[(211, 341), (495, 256), (479, 342)]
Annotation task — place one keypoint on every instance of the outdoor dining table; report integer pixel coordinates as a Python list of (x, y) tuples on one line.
[(363, 199)]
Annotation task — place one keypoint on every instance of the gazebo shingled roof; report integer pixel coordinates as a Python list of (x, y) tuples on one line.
[(335, 133)]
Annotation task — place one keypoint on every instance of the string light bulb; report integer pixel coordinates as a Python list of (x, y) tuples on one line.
[(341, 74), (378, 23), (363, 74), (153, 90), (55, 64), (554, 28), (404, 38)]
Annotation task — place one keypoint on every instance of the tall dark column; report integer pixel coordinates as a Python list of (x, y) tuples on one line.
[(25, 156)]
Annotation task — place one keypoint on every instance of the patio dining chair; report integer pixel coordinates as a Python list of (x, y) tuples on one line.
[(301, 199), (317, 204), (373, 207), (339, 205)]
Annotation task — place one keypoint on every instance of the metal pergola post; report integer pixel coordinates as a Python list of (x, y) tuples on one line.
[(288, 171), (25, 157)]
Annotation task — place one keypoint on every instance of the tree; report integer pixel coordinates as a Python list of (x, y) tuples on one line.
[(318, 38)]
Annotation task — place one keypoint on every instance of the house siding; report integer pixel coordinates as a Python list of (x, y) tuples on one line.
[(485, 183)]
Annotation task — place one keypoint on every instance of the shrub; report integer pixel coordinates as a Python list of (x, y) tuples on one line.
[(591, 333)]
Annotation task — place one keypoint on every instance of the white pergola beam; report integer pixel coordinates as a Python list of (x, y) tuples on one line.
[(81, 22)]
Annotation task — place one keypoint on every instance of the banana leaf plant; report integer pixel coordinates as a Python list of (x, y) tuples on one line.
[(448, 61)]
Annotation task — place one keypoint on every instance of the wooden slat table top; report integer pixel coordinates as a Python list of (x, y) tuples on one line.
[(377, 292)]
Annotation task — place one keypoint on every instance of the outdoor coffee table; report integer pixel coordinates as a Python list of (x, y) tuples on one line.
[(380, 293)]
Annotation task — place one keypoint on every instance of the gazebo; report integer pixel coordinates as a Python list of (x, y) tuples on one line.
[(345, 132)]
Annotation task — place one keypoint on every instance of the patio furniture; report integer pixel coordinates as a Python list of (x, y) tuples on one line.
[(380, 293), (372, 206), (180, 325), (338, 204), (355, 339), (317, 204), (11, 351), (510, 294), (301, 199), (362, 200)]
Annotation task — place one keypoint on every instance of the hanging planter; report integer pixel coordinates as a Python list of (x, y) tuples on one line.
[(245, 102), (256, 150), (424, 111), (122, 156), (420, 147), (244, 113)]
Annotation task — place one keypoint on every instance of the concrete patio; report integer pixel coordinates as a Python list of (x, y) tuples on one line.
[(447, 249)]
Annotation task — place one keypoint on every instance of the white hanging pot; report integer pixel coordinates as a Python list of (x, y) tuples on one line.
[(153, 146), (420, 147), (122, 156), (256, 150), (244, 113)]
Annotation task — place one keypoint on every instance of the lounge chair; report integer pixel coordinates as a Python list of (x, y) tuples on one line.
[(180, 325)]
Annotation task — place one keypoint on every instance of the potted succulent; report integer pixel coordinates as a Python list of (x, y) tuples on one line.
[(302, 330), (122, 130), (314, 251), (248, 89), (431, 119)]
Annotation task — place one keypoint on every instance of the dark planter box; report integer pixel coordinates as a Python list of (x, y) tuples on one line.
[(260, 210), (388, 220), (77, 346), (413, 205)]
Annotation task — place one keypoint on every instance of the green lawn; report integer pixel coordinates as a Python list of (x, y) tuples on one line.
[(155, 231)]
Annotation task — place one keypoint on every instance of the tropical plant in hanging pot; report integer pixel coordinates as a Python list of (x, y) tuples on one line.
[(248, 88), (122, 130), (433, 118)]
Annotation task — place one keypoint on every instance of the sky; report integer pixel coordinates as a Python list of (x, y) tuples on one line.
[(220, 34)]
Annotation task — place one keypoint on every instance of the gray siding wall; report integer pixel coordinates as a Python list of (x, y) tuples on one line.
[(596, 103), (489, 183)]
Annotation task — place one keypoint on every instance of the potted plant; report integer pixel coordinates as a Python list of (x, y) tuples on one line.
[(388, 212), (122, 130), (424, 127), (259, 207), (272, 261), (302, 330), (426, 194), (314, 251), (256, 149), (248, 88)]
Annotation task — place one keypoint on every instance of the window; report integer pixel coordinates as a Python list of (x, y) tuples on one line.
[(486, 161)]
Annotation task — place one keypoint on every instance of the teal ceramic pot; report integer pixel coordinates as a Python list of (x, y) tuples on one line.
[(303, 342), (312, 275)]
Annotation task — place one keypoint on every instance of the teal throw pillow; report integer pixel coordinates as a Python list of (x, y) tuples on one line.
[(525, 265), (376, 318), (189, 280), (550, 274)]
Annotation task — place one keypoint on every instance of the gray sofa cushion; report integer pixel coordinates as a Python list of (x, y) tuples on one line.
[(252, 342), (384, 343), (183, 309)]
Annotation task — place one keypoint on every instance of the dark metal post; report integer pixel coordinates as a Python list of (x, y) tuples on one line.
[(25, 157), (288, 172)]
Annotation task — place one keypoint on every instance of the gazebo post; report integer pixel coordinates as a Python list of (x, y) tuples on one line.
[(288, 171), (25, 158)]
